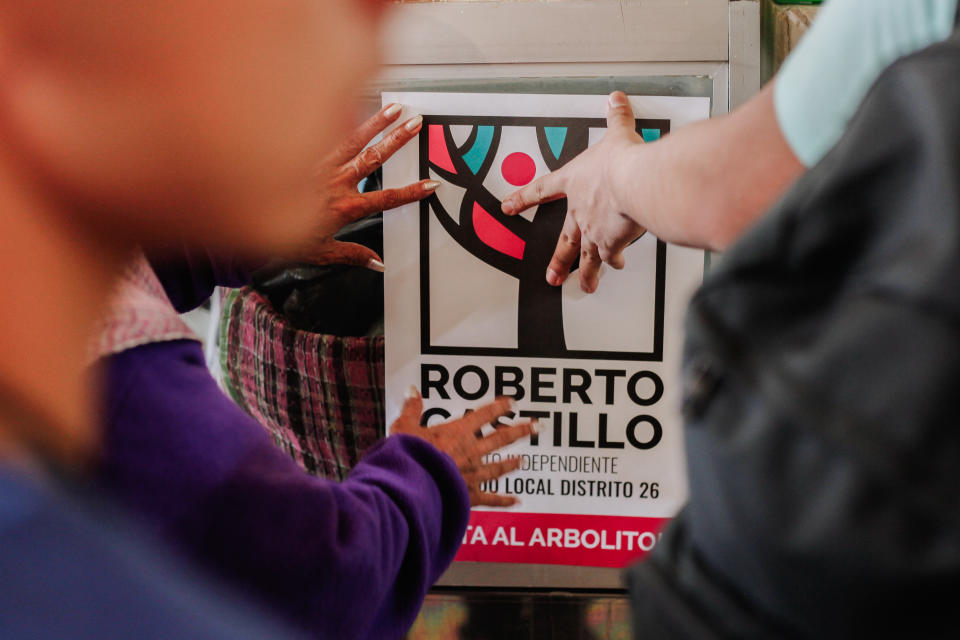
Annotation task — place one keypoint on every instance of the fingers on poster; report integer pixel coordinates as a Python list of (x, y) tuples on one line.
[(469, 315)]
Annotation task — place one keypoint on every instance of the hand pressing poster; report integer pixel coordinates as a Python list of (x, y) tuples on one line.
[(470, 316)]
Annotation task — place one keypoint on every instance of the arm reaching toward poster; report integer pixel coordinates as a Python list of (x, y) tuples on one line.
[(189, 275), (701, 186)]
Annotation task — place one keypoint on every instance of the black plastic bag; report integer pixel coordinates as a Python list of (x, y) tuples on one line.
[(338, 300)]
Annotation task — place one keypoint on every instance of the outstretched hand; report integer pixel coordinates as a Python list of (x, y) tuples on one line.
[(597, 227), (340, 176), (459, 440)]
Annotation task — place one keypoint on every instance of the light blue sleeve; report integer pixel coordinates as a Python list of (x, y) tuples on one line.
[(823, 81)]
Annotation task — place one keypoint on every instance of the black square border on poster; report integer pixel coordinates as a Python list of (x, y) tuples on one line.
[(655, 355)]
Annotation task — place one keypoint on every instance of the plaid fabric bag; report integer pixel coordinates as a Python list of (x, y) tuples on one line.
[(320, 396)]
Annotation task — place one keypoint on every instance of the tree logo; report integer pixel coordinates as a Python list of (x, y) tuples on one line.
[(478, 160)]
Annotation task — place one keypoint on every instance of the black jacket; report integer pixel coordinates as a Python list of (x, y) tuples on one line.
[(822, 374)]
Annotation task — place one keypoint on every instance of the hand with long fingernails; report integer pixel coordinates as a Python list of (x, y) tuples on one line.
[(461, 440), (344, 203)]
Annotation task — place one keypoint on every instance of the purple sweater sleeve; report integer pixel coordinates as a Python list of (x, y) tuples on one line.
[(189, 276), (342, 560)]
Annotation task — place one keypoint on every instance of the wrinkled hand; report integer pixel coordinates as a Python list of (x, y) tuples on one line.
[(459, 440), (343, 203), (596, 227)]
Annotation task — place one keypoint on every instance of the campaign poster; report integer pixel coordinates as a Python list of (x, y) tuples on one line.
[(469, 317)]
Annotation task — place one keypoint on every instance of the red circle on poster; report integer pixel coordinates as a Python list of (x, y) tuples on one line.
[(518, 169)]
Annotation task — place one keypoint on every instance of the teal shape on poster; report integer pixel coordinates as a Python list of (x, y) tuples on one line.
[(556, 136), (481, 147)]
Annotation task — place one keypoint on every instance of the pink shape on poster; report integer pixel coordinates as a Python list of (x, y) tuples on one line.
[(438, 149), (496, 236)]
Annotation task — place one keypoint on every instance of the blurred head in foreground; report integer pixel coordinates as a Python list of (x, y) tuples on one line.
[(148, 123)]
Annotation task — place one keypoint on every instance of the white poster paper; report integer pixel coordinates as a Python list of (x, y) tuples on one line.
[(470, 316)]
